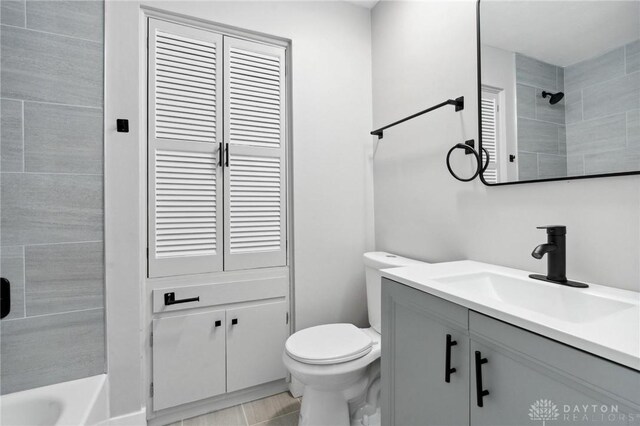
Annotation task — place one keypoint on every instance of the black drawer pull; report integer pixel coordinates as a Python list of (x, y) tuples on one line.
[(234, 321), (448, 371), (480, 393), (218, 323), (170, 299)]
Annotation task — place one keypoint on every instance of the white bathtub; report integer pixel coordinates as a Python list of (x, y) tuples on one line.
[(74, 403)]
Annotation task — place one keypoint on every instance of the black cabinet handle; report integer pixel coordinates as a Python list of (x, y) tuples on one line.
[(220, 150), (218, 323), (480, 393), (448, 371), (170, 299), (234, 321), (226, 155)]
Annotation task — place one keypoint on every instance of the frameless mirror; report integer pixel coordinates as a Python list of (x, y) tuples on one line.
[(559, 89)]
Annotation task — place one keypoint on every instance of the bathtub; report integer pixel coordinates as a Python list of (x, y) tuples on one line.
[(74, 403)]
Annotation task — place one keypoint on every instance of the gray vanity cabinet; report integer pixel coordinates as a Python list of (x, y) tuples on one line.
[(416, 330), (527, 378)]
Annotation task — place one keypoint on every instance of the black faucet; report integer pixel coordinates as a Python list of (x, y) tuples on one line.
[(556, 252)]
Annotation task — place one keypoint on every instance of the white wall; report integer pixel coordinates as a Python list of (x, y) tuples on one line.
[(331, 48), (423, 53)]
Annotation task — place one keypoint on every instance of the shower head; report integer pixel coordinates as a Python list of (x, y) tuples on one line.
[(554, 98)]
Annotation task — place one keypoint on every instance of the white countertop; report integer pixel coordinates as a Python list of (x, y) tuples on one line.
[(615, 336)]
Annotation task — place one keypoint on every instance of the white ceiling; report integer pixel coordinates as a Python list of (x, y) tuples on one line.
[(369, 4), (559, 32)]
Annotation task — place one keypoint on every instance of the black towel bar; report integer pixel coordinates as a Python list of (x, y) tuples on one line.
[(457, 102)]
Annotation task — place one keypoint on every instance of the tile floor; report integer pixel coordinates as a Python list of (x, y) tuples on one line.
[(277, 410)]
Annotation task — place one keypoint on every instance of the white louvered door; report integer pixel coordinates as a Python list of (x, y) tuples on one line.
[(255, 211), (185, 178), (490, 134)]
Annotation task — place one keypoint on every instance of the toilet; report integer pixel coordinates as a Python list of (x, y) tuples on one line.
[(338, 364)]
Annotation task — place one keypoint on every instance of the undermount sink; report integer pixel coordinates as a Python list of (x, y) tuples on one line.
[(566, 304)]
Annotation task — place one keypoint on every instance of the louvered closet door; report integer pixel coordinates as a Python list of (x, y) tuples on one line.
[(185, 178), (490, 134), (255, 192)]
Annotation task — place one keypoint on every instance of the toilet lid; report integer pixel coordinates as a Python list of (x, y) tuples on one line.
[(328, 344)]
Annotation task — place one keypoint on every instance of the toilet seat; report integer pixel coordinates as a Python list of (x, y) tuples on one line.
[(328, 344)]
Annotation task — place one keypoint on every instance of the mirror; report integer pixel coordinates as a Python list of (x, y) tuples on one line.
[(559, 89)]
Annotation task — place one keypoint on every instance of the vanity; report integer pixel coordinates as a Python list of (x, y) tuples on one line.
[(468, 343)]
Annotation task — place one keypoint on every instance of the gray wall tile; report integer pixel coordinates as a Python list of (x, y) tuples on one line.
[(62, 139), (599, 135), (547, 112), (11, 136), (53, 61), (64, 277), (12, 268), (40, 208), (526, 97), (552, 166), (45, 67), (82, 19), (575, 165), (633, 129), (573, 107), (537, 136), (49, 349), (535, 73), (562, 140), (632, 52), (613, 96), (623, 160), (12, 12), (527, 166), (560, 79), (595, 70)]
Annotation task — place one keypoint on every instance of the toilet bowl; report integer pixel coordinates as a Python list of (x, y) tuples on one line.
[(336, 363)]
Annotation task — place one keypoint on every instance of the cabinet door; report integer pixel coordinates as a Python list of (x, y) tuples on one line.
[(188, 358), (255, 181), (185, 135), (523, 392), (414, 361), (255, 342), (534, 379)]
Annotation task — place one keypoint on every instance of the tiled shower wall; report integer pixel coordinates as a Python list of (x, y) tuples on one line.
[(51, 187), (603, 116), (542, 151)]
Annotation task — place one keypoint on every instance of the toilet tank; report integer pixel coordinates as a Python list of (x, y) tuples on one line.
[(373, 263)]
